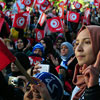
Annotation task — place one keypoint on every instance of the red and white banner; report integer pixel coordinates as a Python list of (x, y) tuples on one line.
[(66, 2), (7, 13), (61, 12), (54, 24), (39, 34), (42, 19), (20, 21), (47, 3), (33, 60), (27, 2), (40, 2), (77, 5), (18, 7), (73, 16), (3, 4)]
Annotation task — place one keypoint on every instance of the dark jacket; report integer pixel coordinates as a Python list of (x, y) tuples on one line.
[(92, 93)]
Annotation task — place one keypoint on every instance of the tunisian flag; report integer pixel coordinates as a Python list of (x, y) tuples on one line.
[(54, 24), (6, 56), (77, 5), (73, 16), (39, 34), (20, 21), (61, 12), (39, 2), (27, 2)]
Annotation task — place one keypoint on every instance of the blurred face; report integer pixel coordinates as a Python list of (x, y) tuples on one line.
[(30, 94), (64, 50), (58, 44), (14, 68), (20, 44), (43, 43), (38, 51), (84, 50)]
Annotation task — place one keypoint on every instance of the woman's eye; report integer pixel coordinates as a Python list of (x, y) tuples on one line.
[(87, 42), (76, 44)]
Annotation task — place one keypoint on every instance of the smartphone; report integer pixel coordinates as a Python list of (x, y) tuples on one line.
[(44, 67)]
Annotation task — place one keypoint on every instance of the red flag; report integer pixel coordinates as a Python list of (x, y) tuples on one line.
[(39, 2), (61, 12), (47, 3), (20, 21), (61, 3), (39, 34), (66, 2), (73, 16), (27, 2), (54, 24), (34, 59), (6, 56), (18, 7), (43, 7), (1, 23), (42, 18), (3, 4), (77, 5)]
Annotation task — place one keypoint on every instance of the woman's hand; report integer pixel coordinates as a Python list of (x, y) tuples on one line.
[(91, 73)]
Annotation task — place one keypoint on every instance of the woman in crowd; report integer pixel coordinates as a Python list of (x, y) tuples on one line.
[(86, 75)]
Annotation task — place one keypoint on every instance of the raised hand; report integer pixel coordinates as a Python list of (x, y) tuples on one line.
[(91, 73)]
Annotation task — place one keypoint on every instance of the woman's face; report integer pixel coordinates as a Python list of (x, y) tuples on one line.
[(20, 44), (14, 68), (84, 50), (64, 50), (43, 43), (38, 51)]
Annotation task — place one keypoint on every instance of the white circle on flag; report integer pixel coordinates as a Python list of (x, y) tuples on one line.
[(20, 21), (77, 5), (40, 1), (39, 36), (2, 4), (73, 16), (27, 2), (54, 23)]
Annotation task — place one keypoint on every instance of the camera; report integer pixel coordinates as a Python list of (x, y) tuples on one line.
[(15, 81)]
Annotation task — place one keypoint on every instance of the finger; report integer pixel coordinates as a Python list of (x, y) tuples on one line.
[(97, 63)]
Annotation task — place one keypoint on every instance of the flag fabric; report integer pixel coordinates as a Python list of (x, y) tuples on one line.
[(18, 7), (34, 59), (61, 3), (27, 2), (66, 2), (1, 23), (39, 2), (6, 56), (20, 21), (73, 16), (3, 4), (61, 12), (54, 24), (77, 5), (43, 8), (39, 34), (42, 18)]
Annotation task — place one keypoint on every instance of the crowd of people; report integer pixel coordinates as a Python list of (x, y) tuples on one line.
[(72, 55)]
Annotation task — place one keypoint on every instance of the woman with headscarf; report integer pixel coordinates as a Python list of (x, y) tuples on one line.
[(86, 75), (66, 52)]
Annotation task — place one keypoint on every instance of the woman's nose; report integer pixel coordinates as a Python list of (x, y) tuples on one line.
[(79, 47)]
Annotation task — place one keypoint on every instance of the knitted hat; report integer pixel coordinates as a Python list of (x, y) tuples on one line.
[(52, 83), (38, 46)]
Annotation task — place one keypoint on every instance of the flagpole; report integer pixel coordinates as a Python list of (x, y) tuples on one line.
[(23, 71)]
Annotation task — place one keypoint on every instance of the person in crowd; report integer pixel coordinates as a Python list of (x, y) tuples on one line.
[(48, 84), (23, 45), (86, 75), (50, 55)]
